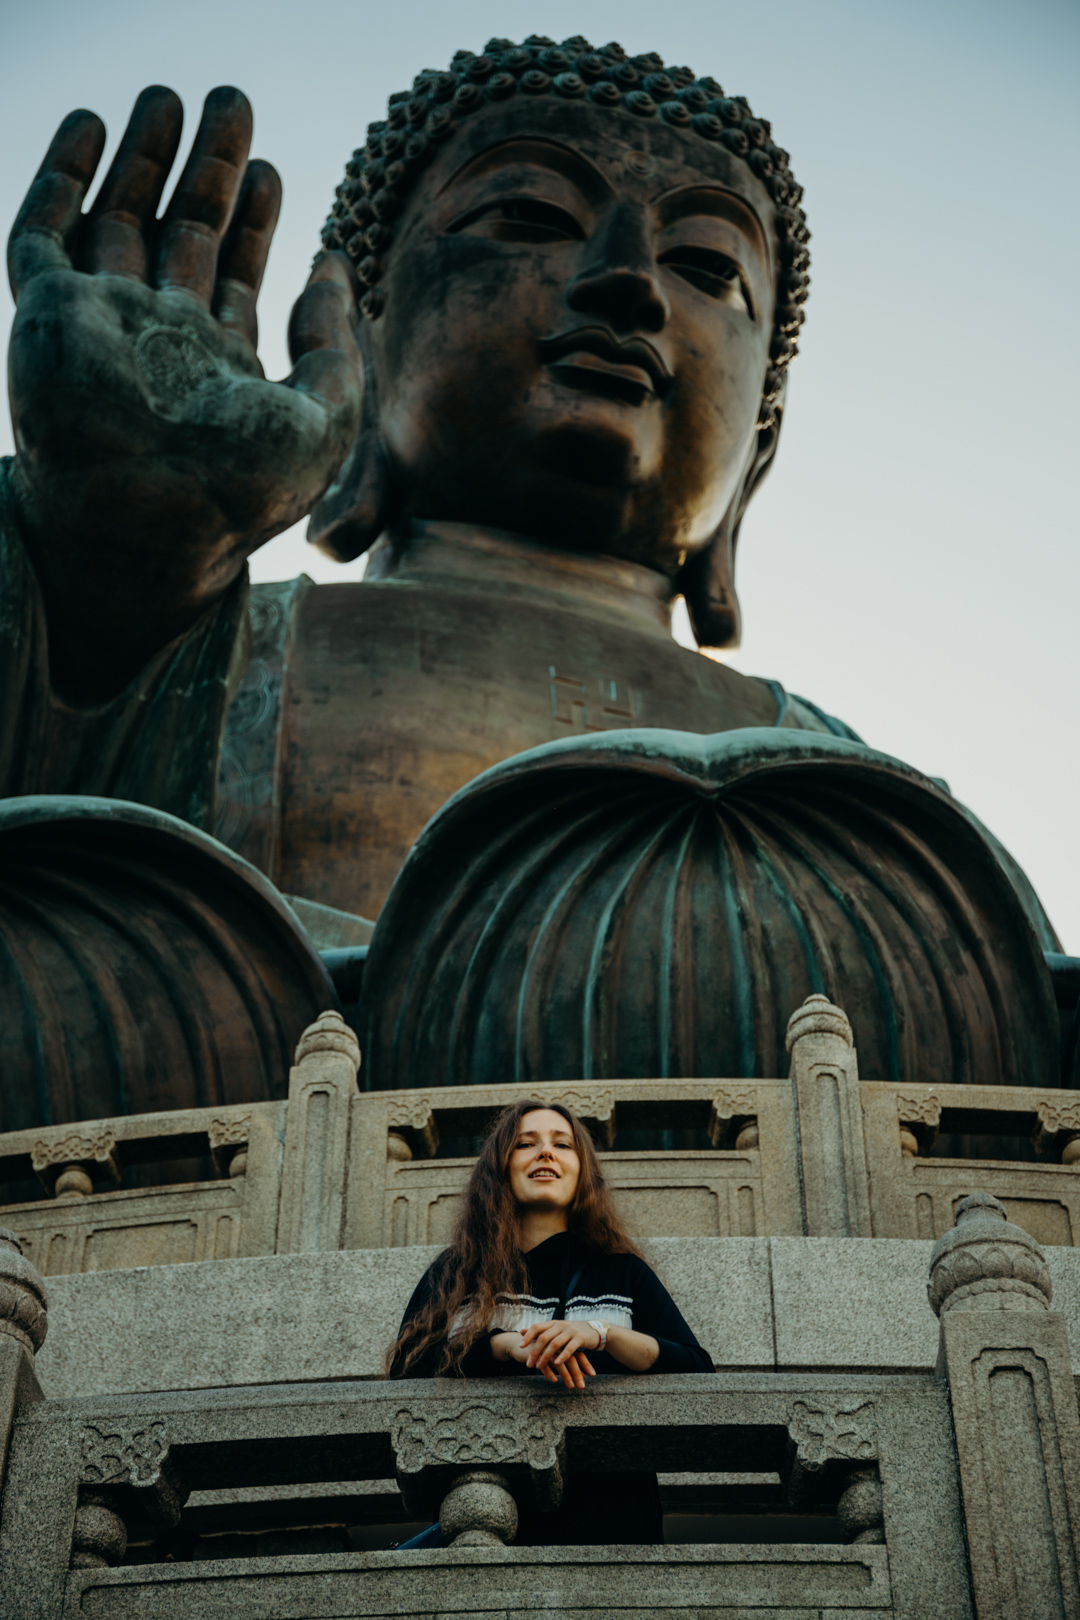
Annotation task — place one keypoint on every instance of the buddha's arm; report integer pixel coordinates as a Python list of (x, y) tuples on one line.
[(152, 455)]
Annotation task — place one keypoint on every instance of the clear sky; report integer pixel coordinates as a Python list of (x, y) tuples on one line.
[(913, 563)]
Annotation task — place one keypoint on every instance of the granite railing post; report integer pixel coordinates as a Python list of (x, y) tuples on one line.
[(23, 1325), (832, 1151), (1006, 1357), (316, 1159)]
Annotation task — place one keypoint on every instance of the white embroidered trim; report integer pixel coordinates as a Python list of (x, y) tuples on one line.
[(516, 1313)]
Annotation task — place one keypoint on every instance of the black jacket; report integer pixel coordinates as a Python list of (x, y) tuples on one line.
[(616, 1288)]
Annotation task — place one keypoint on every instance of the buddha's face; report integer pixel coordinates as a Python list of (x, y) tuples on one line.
[(577, 325)]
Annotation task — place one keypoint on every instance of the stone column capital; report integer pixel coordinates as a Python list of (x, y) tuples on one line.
[(23, 1301), (985, 1262), (329, 1034), (818, 1016)]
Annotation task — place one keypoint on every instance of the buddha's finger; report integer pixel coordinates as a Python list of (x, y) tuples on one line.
[(41, 236), (202, 204), (242, 260), (114, 240)]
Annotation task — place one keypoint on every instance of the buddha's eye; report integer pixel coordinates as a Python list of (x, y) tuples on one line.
[(520, 219), (711, 272)]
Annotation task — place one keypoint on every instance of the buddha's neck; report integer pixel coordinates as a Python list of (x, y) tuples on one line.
[(460, 556)]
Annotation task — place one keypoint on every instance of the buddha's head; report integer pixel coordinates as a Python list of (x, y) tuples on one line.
[(582, 279)]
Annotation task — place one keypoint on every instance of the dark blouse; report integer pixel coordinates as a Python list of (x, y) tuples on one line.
[(616, 1288)]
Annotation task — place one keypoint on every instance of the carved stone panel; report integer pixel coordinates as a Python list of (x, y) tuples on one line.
[(915, 1110), (826, 1433), (826, 1438), (227, 1135), (136, 1455), (730, 1103), (591, 1102), (94, 1152), (1060, 1114), (122, 1452), (414, 1113), (433, 1441)]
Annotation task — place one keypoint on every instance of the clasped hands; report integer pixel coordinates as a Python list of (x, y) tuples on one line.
[(556, 1349)]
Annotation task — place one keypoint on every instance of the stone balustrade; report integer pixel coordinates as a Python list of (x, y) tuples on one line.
[(822, 1153), (102, 1499)]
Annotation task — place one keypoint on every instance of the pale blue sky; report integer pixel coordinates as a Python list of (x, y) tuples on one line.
[(913, 564)]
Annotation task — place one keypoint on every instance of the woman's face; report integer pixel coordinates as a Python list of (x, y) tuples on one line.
[(544, 1163)]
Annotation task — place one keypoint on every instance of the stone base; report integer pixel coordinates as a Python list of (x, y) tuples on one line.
[(576, 1583)]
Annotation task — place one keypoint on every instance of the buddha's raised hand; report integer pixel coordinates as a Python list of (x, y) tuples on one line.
[(152, 454)]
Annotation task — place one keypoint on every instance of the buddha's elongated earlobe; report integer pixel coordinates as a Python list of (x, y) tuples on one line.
[(359, 505), (708, 585), (707, 582)]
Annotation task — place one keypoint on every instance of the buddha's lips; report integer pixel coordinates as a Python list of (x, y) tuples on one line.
[(631, 368)]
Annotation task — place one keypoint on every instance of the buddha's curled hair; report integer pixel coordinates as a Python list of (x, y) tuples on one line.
[(380, 174), (483, 1265)]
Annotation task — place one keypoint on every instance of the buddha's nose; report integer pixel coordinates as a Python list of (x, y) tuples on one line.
[(620, 278)]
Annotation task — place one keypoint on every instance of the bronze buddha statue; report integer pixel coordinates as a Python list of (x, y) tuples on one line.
[(539, 372), (587, 275)]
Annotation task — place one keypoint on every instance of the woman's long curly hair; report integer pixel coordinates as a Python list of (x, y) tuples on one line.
[(484, 1264)]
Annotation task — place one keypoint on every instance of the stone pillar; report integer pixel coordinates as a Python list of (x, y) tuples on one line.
[(1006, 1357), (478, 1511), (23, 1325), (313, 1172), (825, 1079)]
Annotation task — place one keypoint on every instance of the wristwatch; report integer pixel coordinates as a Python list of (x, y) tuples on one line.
[(602, 1330)]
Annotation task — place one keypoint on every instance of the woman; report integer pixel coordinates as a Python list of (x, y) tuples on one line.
[(542, 1278)]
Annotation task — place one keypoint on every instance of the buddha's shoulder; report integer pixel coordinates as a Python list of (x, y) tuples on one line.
[(562, 663), (767, 702), (799, 714)]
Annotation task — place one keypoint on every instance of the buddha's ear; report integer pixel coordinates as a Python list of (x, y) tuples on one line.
[(707, 581), (360, 504)]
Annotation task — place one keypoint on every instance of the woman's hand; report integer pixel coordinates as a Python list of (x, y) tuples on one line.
[(555, 1349), (153, 455), (558, 1350)]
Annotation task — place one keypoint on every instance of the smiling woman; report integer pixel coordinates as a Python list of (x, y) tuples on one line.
[(541, 1278)]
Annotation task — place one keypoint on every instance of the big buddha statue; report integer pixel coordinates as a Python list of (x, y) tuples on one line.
[(539, 374)]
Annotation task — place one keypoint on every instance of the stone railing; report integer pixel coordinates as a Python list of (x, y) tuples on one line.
[(850, 1493), (821, 1153)]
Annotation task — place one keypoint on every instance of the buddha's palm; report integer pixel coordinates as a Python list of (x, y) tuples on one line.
[(145, 429)]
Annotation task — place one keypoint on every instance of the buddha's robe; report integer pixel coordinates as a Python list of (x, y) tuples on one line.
[(316, 729), (156, 742)]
